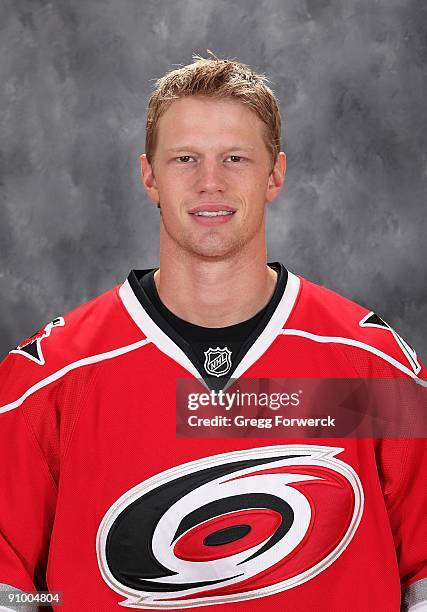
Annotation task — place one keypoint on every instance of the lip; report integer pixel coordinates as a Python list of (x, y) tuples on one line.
[(211, 208)]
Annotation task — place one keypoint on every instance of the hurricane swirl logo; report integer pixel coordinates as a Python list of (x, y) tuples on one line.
[(230, 527)]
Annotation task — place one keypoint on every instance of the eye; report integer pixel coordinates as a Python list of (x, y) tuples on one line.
[(184, 159), (235, 158)]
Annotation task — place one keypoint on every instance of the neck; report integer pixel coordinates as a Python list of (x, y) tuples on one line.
[(215, 293)]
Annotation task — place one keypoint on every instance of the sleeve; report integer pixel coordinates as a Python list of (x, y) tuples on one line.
[(28, 486), (403, 469), (401, 458)]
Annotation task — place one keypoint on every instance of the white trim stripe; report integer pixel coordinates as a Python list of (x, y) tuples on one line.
[(152, 331), (73, 366), (351, 342), (415, 597), (273, 328)]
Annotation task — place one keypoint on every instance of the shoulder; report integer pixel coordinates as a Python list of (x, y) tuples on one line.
[(87, 328), (324, 316), (96, 330)]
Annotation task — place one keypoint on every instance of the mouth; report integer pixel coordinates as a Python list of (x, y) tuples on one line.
[(218, 213), (212, 213), (212, 210)]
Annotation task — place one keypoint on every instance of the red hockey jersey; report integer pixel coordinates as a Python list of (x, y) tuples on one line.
[(103, 502)]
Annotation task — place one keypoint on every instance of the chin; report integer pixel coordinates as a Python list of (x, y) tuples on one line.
[(212, 246), (217, 251)]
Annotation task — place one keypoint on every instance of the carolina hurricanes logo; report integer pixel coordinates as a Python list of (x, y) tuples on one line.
[(32, 348), (230, 527), (217, 361), (373, 320)]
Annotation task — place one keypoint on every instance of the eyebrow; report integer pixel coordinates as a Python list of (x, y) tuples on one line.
[(190, 148)]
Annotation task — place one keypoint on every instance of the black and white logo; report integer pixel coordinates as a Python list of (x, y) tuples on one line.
[(230, 527), (373, 320), (32, 347), (217, 361)]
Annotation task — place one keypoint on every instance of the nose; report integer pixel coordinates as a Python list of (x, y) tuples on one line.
[(210, 177)]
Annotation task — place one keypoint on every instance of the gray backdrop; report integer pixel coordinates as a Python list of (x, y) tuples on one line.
[(75, 77)]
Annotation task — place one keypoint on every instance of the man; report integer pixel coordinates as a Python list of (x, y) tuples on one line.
[(101, 498)]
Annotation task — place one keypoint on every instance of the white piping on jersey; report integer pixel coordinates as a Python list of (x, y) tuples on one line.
[(72, 366), (358, 344), (168, 346), (153, 331), (272, 329), (415, 596)]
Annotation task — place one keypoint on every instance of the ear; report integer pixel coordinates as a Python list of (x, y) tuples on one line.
[(148, 179), (276, 178)]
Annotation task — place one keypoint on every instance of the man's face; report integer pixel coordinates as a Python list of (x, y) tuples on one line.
[(211, 158)]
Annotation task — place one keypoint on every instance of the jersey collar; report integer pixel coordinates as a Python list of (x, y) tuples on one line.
[(160, 333)]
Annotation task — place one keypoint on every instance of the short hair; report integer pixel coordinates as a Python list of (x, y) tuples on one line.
[(215, 78)]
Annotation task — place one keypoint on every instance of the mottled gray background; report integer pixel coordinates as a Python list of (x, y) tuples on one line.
[(75, 78)]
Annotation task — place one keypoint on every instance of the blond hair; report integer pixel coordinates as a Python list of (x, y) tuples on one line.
[(215, 78)]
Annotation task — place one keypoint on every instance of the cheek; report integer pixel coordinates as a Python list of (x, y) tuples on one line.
[(257, 190), (172, 196), (173, 182), (167, 187)]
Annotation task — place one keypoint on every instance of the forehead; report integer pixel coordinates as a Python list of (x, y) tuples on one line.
[(204, 119)]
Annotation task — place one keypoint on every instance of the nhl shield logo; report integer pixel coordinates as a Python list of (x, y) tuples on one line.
[(217, 361)]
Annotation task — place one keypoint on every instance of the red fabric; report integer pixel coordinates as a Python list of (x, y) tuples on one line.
[(74, 446)]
